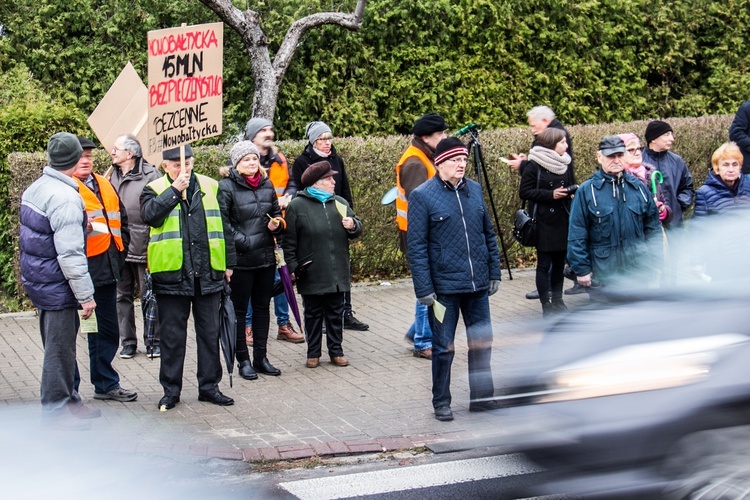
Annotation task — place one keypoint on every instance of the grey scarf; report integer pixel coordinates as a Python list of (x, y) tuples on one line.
[(550, 160)]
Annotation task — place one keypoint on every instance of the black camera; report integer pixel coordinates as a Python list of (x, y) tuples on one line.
[(571, 189)]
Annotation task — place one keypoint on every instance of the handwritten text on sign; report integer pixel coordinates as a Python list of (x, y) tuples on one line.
[(185, 85)]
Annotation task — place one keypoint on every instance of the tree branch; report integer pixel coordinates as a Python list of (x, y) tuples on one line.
[(300, 26)]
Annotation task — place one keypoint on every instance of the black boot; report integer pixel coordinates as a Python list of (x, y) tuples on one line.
[(263, 366), (558, 306), (546, 309), (246, 370)]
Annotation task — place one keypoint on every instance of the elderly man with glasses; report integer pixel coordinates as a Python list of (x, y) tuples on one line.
[(129, 174)]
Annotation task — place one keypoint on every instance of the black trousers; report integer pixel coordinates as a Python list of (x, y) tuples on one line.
[(549, 274), (328, 307), (174, 311), (256, 284)]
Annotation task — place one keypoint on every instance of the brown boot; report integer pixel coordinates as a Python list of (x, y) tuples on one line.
[(339, 361), (312, 362), (249, 335), (288, 333)]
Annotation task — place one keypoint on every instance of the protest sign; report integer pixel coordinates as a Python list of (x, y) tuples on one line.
[(185, 85), (123, 110)]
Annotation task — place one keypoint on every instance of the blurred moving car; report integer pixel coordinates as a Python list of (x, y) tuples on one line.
[(641, 396)]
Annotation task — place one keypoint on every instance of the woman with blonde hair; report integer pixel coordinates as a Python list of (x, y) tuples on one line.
[(726, 187)]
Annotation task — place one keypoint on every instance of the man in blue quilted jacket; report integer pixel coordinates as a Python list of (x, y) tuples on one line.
[(455, 264)]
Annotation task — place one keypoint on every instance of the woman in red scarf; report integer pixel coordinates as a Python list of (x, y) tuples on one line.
[(249, 203)]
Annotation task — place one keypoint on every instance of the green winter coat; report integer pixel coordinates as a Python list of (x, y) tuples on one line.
[(314, 233)]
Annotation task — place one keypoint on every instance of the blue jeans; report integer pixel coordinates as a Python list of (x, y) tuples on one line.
[(419, 332), (280, 307), (475, 311)]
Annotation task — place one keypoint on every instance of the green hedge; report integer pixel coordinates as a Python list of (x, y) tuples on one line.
[(370, 165)]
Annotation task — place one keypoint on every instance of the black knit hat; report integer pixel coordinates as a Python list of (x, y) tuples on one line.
[(429, 124), (64, 151), (449, 148), (656, 129), (317, 171)]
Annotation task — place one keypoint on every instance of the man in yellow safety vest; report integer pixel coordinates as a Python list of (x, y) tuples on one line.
[(190, 265)]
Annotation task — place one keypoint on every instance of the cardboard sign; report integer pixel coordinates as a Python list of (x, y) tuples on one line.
[(185, 85), (123, 110)]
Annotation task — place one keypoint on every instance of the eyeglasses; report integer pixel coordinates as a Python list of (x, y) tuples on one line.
[(635, 151), (115, 149)]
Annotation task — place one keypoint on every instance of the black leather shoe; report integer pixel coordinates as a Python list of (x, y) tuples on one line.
[(216, 398), (263, 366), (443, 413), (168, 402), (577, 289), (246, 371)]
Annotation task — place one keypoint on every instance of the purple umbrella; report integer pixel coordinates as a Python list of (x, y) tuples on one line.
[(286, 282)]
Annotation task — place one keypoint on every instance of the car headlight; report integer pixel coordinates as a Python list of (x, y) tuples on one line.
[(638, 368)]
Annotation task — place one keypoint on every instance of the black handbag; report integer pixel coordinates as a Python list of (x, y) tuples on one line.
[(525, 229)]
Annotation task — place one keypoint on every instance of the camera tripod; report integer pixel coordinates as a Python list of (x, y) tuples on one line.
[(480, 170)]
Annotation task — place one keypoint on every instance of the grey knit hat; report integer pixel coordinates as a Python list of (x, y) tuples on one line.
[(315, 130), (241, 150), (254, 126), (64, 151)]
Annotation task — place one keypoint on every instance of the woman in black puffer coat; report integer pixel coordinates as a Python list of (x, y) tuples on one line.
[(548, 162), (250, 206)]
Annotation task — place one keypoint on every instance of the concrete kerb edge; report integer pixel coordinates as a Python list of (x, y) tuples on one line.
[(299, 452)]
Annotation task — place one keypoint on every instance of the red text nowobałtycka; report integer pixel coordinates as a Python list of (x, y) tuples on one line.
[(183, 42)]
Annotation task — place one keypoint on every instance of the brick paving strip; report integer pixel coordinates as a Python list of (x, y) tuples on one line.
[(380, 403)]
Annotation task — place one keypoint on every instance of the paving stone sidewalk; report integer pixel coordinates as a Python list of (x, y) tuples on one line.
[(380, 402)]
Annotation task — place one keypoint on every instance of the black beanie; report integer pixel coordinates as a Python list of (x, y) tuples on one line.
[(429, 124), (449, 148), (656, 129)]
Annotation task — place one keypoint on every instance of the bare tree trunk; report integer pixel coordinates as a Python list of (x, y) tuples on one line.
[(267, 75)]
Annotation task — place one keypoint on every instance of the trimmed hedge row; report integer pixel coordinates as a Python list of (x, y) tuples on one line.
[(370, 166)]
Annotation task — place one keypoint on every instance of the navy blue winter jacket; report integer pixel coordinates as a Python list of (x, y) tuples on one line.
[(611, 221), (678, 182), (715, 197), (451, 242)]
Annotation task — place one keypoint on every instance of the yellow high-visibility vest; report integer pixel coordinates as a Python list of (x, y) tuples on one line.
[(165, 244)]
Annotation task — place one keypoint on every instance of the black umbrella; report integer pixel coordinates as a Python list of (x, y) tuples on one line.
[(228, 330), (150, 314)]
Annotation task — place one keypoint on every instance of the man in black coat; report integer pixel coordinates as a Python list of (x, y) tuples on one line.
[(190, 264), (739, 132)]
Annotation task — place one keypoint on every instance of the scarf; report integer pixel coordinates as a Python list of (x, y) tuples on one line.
[(550, 160), (637, 170), (321, 153), (319, 194), (253, 181)]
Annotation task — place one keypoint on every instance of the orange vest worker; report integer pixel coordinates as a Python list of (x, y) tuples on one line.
[(107, 214)]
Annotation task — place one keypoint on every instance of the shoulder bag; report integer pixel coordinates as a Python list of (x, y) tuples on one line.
[(525, 230)]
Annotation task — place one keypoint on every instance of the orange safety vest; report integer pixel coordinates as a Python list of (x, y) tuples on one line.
[(108, 214), (278, 174), (402, 204)]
